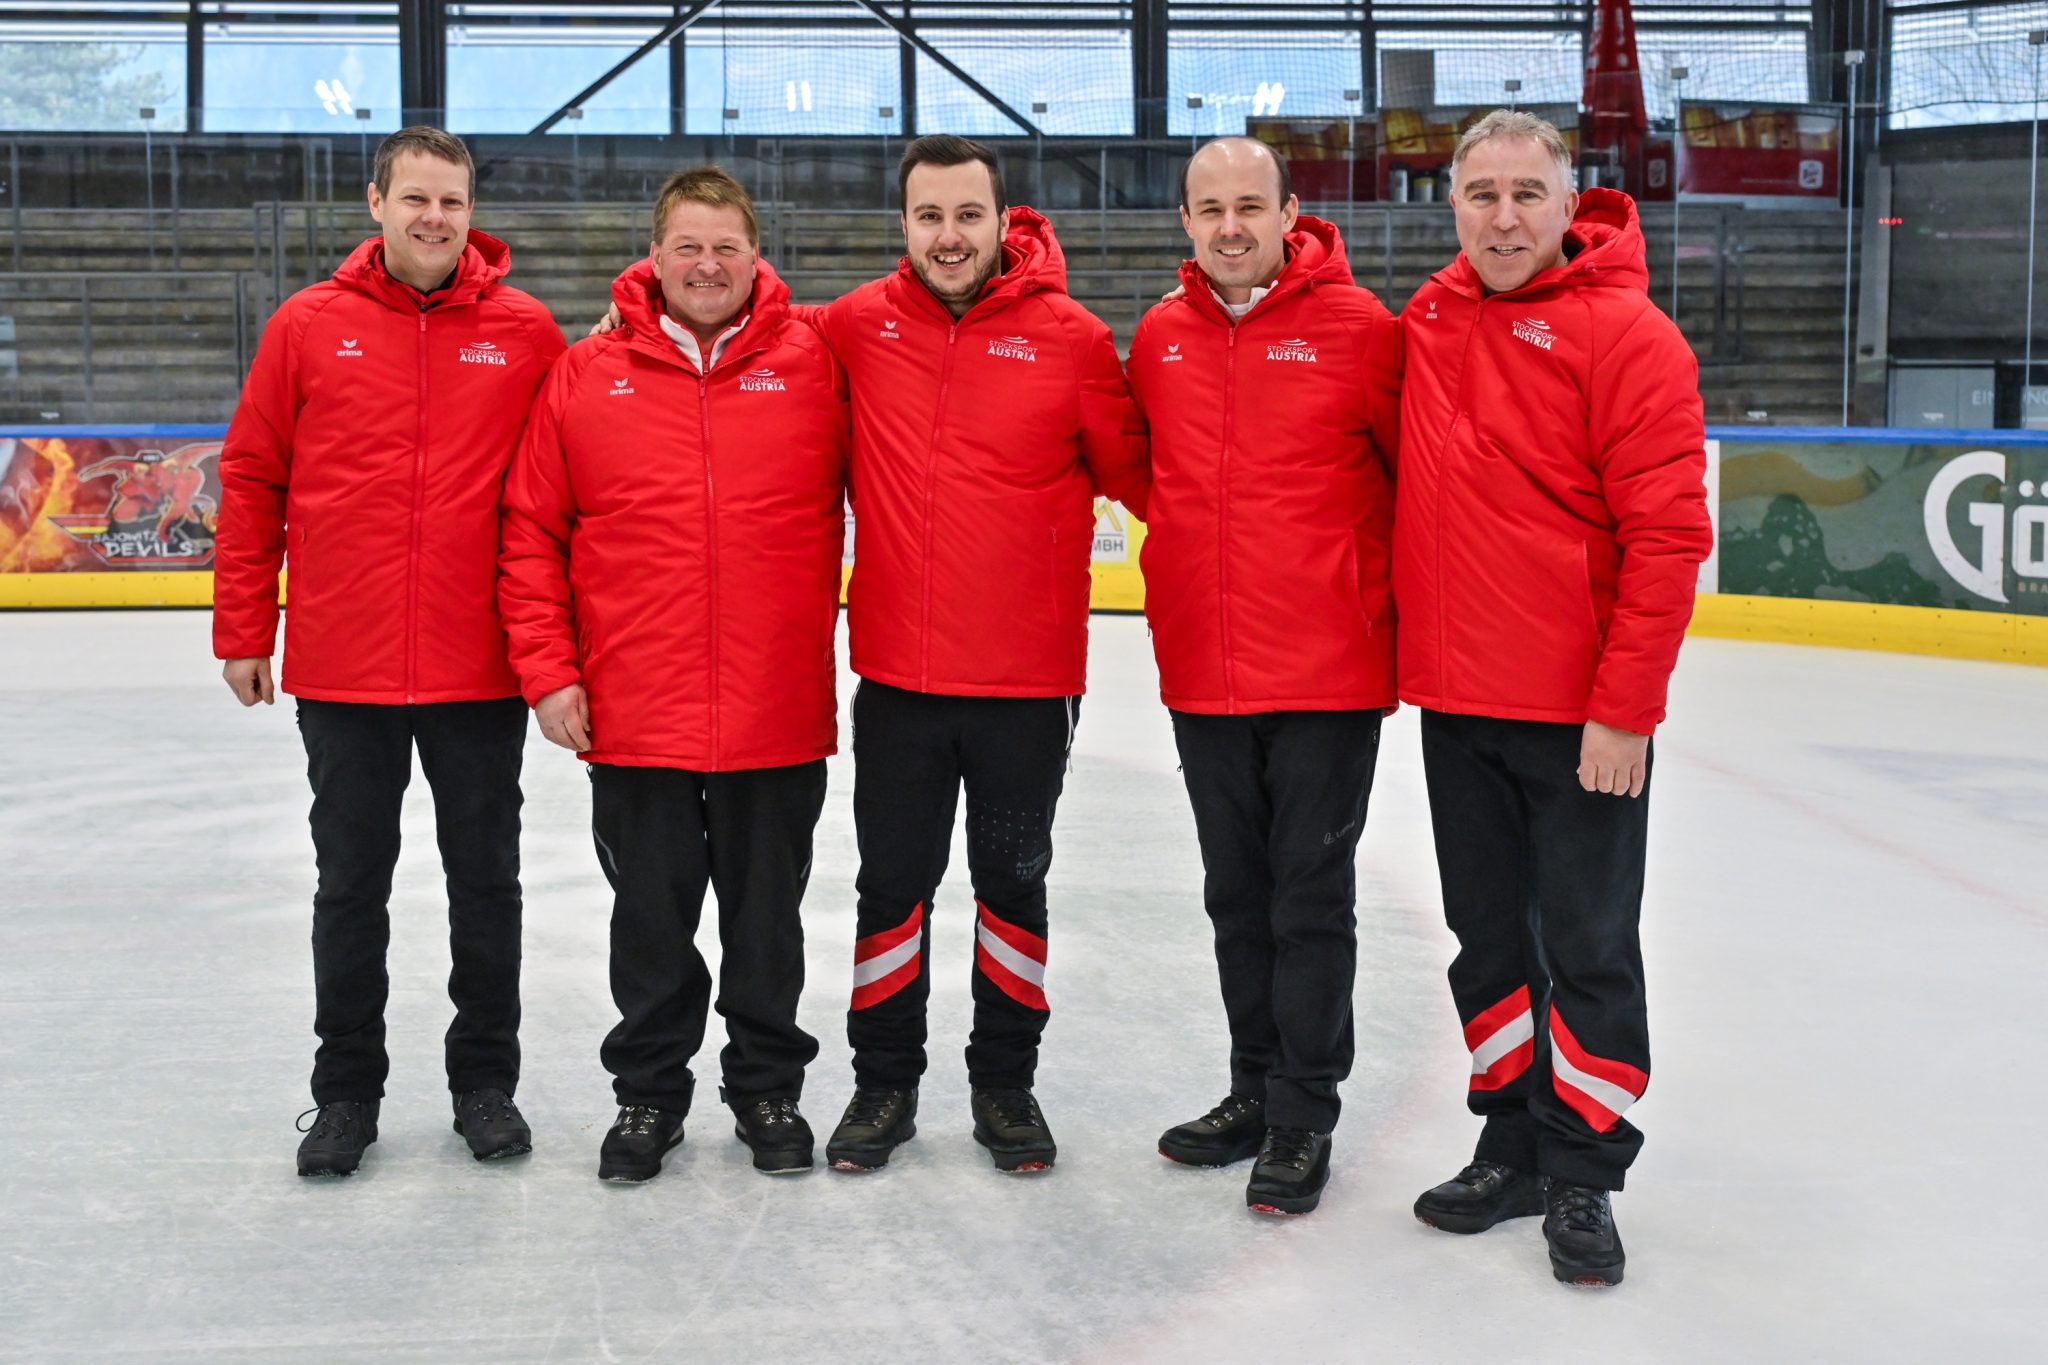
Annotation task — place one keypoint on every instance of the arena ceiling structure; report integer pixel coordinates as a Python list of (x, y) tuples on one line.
[(992, 68)]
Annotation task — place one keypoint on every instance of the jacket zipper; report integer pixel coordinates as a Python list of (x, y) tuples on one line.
[(931, 460), (1443, 655), (419, 484), (710, 545), (1223, 516)]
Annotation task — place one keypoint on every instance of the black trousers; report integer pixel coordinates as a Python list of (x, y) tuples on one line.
[(1543, 885), (1279, 804), (359, 760), (663, 835), (912, 753)]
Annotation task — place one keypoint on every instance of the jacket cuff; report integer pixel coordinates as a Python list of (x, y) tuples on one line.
[(1636, 721), (543, 684)]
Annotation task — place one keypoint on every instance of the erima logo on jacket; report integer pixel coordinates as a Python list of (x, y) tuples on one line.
[(620, 388), (1014, 348), (756, 380), (1536, 332), (349, 347), (1296, 349), (482, 353), (1172, 353)]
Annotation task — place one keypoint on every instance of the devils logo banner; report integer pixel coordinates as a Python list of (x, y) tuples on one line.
[(88, 503)]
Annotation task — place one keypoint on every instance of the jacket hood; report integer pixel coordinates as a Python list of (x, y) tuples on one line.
[(1315, 255), (638, 295), (484, 261), (1603, 245), (1032, 263)]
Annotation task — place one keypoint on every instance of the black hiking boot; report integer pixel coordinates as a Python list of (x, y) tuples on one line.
[(1293, 1167), (340, 1131), (1232, 1131), (491, 1124), (1009, 1124), (639, 1138), (1578, 1222), (875, 1124), (775, 1132), (1479, 1196)]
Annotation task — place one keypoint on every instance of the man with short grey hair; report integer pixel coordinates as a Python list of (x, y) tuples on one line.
[(1550, 519)]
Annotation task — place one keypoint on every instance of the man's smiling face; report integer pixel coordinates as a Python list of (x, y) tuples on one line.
[(425, 218), (952, 231), (1236, 216), (1512, 206), (705, 262)]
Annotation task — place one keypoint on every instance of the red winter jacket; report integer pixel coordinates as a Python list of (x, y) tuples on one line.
[(1272, 503), (672, 539), (373, 435), (978, 446), (1551, 514)]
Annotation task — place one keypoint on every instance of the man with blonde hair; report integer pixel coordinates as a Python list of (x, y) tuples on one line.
[(371, 439), (1550, 518), (671, 588)]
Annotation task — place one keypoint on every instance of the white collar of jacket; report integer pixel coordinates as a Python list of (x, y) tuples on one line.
[(1238, 310), (686, 340)]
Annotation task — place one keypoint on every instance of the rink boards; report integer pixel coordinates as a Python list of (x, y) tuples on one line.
[(1929, 542)]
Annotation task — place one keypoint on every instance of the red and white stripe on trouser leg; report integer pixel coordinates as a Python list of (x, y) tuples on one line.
[(1598, 1088), (884, 963), (1502, 1039), (1013, 958)]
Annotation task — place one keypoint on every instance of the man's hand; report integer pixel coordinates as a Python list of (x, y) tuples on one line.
[(1180, 291), (605, 324), (1613, 761), (249, 680), (564, 717)]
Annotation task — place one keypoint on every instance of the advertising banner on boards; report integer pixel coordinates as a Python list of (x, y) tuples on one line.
[(1943, 519), (108, 503)]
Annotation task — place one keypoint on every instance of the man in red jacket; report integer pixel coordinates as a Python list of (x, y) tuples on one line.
[(1265, 566), (1550, 520), (371, 443), (988, 409), (683, 646)]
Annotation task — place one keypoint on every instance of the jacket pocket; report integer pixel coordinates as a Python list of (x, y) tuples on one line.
[(1052, 574), (1586, 596), (1354, 583), (302, 580)]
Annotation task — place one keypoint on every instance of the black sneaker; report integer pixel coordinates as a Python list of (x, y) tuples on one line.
[(1009, 1124), (876, 1123), (340, 1131), (1293, 1167), (1479, 1196), (775, 1132), (491, 1124), (1229, 1133), (1578, 1222), (638, 1140)]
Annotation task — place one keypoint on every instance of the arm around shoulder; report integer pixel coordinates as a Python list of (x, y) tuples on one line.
[(1114, 444)]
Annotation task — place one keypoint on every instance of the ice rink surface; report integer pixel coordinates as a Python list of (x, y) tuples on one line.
[(1847, 937)]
